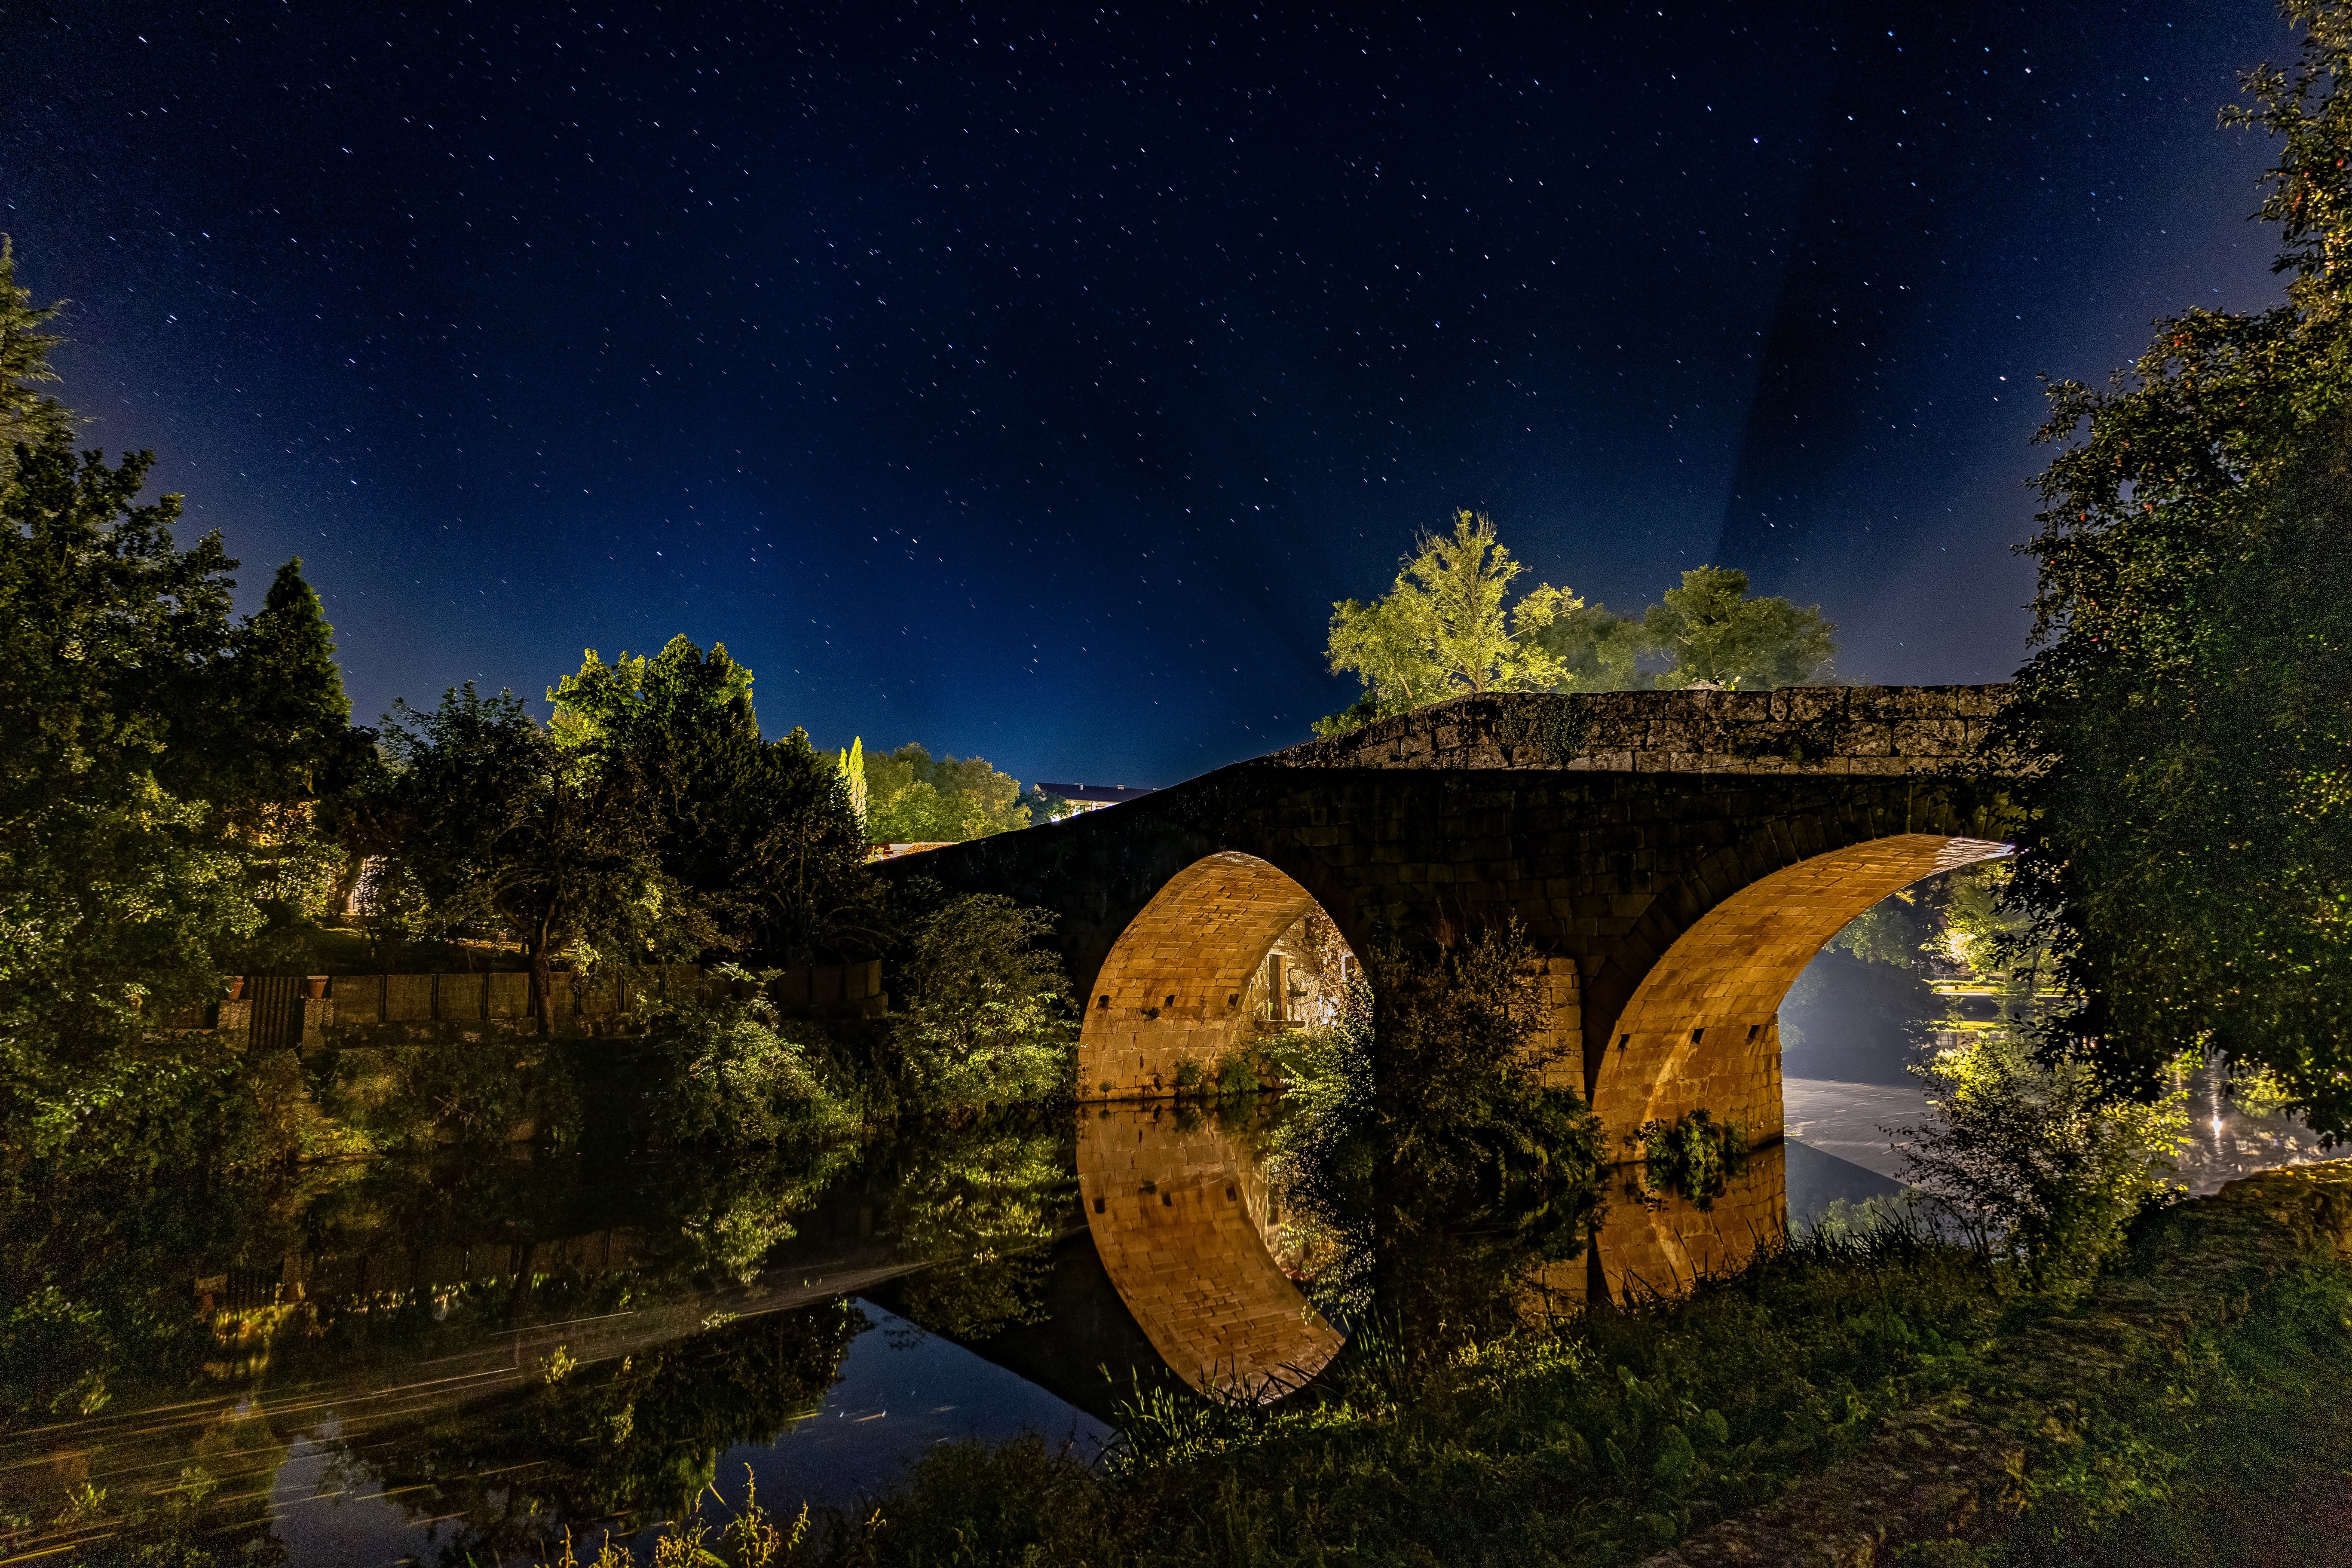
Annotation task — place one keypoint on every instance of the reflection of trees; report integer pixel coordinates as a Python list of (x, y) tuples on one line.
[(984, 1201), (638, 1437), (323, 1292)]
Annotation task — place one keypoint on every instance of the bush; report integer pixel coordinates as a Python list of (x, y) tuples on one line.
[(988, 1018), (1695, 1157), (1237, 1078), (2043, 1155), (728, 1073)]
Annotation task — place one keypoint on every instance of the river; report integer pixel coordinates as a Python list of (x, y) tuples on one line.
[(472, 1355)]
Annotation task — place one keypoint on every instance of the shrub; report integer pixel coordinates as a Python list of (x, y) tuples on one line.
[(728, 1073), (2043, 1153), (1695, 1157), (1237, 1078), (988, 1018)]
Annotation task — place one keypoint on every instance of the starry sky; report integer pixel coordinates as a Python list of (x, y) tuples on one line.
[(1029, 382)]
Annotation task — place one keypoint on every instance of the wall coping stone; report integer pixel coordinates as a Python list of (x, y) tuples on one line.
[(1804, 729)]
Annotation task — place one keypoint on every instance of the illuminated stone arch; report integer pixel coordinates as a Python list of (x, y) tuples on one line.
[(1701, 1030), (1182, 980)]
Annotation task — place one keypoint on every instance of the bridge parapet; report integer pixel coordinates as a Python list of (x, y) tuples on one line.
[(1835, 730)]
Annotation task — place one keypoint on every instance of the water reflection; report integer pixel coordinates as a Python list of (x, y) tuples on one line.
[(1188, 1228), (474, 1356), (484, 1351)]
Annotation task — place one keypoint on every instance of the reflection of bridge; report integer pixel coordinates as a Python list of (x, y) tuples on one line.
[(1180, 1220), (1676, 858)]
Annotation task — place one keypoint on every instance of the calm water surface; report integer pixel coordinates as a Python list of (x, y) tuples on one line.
[(424, 1363)]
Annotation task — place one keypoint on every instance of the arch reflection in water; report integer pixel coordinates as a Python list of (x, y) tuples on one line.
[(1650, 1247), (1181, 1213)]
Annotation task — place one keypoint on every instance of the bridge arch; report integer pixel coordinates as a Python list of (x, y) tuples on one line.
[(1182, 979), (1701, 1028)]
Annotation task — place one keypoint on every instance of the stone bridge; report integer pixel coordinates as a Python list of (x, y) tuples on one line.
[(1675, 857)]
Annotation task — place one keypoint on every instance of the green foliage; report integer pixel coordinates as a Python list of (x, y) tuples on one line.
[(28, 417), (1237, 1076), (1445, 629), (912, 799), (851, 764), (1695, 1156), (983, 1202), (759, 841), (728, 1072), (505, 828), (2042, 1153), (988, 1017), (119, 900), (2235, 1450), (1598, 1445), (416, 1094), (1897, 930), (1714, 632), (2181, 734), (1598, 650), (1462, 1089)]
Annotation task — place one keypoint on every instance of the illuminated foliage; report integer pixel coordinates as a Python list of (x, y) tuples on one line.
[(1445, 629), (2182, 727), (1715, 632), (914, 799)]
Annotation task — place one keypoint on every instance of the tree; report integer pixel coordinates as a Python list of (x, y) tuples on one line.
[(504, 826), (1443, 629), (988, 1017), (2039, 1151), (119, 900), (2180, 737), (914, 800), (851, 764), (1714, 632), (28, 416), (1598, 650), (760, 838)]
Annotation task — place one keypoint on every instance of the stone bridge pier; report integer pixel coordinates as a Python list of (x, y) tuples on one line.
[(1676, 858)]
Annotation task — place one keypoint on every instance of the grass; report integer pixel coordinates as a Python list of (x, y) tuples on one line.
[(1606, 1440), (2235, 1449), (1594, 1445)]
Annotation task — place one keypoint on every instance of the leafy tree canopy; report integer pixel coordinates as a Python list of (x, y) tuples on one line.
[(2182, 726), (1715, 632), (1598, 650), (118, 899), (762, 837), (913, 799), (27, 415), (1445, 628)]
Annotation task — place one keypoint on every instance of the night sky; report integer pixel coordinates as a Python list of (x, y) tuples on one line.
[(1029, 383)]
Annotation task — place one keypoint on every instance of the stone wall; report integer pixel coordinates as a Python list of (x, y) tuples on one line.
[(382, 1008), (1834, 731)]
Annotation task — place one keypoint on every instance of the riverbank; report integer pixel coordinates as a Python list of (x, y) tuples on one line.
[(1863, 1401)]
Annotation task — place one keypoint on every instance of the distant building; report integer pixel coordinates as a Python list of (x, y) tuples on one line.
[(1092, 797)]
